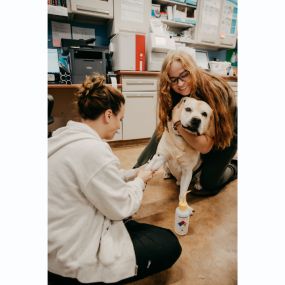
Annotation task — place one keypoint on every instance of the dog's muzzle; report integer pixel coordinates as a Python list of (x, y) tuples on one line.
[(193, 125)]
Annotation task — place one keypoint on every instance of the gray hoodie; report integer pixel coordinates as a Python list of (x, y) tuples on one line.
[(88, 198)]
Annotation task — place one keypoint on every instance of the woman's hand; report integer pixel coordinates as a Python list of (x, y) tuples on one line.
[(145, 175), (176, 113)]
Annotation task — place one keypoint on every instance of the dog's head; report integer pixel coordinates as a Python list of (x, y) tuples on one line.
[(196, 115)]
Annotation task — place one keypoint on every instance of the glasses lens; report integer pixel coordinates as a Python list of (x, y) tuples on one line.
[(174, 80), (184, 74)]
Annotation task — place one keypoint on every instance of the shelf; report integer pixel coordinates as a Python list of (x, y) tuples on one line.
[(57, 11), (172, 3), (185, 41), (177, 24), (55, 89)]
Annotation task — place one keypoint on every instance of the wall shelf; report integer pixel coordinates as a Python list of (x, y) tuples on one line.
[(177, 24), (172, 3)]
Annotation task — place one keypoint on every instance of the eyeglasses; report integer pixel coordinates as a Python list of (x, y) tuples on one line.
[(183, 76)]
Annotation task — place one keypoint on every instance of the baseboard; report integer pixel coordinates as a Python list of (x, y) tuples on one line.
[(122, 143)]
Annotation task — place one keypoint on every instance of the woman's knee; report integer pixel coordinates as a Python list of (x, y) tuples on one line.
[(217, 180), (209, 184), (172, 249)]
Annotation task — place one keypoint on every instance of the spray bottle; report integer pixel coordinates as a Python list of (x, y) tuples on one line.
[(182, 214)]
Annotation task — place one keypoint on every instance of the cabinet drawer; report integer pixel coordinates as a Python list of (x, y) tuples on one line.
[(139, 84), (96, 8)]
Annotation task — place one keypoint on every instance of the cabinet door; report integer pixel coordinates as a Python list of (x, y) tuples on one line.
[(96, 8), (131, 16), (209, 21), (140, 115), (228, 25)]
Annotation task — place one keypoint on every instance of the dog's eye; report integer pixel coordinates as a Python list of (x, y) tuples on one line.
[(188, 109), (204, 114)]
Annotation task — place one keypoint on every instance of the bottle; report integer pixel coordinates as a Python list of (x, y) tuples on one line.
[(182, 214)]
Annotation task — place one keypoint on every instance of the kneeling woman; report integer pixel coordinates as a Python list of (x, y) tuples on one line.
[(89, 198), (179, 77)]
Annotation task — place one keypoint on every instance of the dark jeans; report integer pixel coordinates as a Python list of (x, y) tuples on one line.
[(156, 250), (214, 174)]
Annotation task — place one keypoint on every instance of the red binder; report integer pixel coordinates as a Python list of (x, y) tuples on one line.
[(140, 53)]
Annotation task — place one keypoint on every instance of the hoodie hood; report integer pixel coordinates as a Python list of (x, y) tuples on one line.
[(72, 132)]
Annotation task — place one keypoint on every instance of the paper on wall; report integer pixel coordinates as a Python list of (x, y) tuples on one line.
[(82, 33), (60, 31)]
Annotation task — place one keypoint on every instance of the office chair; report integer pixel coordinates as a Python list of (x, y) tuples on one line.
[(50, 107)]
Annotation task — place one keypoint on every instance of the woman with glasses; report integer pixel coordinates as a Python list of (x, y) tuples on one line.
[(180, 76)]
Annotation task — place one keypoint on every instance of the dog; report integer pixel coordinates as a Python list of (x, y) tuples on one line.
[(173, 152)]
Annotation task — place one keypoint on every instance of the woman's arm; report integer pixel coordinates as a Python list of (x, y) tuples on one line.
[(202, 143)]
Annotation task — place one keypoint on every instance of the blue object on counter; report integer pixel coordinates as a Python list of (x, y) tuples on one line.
[(191, 21), (191, 2)]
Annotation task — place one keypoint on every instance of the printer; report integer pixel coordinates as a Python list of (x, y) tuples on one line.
[(85, 59)]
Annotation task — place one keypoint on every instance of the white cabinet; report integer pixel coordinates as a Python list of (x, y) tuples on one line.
[(207, 29), (141, 100), (131, 16), (216, 23), (94, 8), (228, 24), (211, 24)]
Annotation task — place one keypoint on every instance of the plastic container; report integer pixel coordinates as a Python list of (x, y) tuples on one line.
[(182, 216)]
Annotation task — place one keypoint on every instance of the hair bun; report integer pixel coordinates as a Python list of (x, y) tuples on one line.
[(91, 83), (94, 81)]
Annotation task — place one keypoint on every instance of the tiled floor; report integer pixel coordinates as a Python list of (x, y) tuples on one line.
[(209, 250)]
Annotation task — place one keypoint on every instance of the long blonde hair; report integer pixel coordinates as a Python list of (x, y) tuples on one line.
[(204, 86)]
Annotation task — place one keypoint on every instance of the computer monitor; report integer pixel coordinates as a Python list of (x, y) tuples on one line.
[(202, 59), (53, 66)]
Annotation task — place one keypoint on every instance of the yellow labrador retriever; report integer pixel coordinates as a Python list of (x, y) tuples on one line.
[(174, 152)]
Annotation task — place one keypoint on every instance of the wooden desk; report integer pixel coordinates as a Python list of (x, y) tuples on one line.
[(64, 104)]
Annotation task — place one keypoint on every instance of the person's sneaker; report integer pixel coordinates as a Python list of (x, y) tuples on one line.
[(234, 166)]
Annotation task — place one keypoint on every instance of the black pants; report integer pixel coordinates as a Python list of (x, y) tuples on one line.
[(156, 249), (214, 174)]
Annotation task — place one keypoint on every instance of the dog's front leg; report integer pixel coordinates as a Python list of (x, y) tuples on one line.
[(185, 182)]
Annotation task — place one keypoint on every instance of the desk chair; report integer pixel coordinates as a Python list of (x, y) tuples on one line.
[(50, 107)]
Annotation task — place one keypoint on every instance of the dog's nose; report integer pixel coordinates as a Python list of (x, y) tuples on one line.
[(195, 122)]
